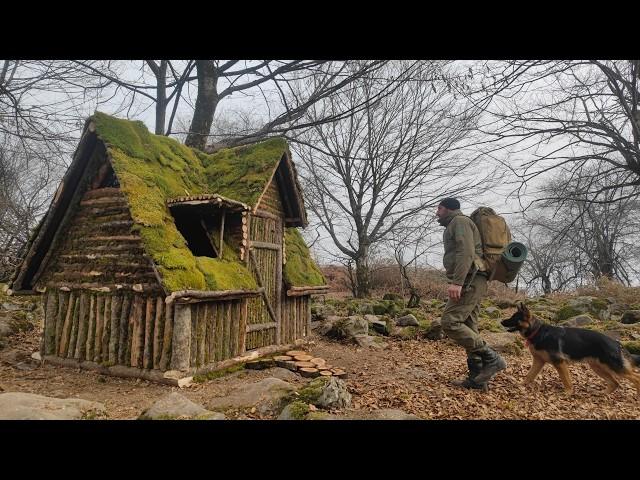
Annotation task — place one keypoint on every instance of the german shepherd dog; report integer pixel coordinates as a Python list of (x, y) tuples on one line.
[(561, 345)]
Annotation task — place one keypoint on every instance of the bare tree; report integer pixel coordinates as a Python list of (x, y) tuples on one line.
[(390, 160), (574, 115)]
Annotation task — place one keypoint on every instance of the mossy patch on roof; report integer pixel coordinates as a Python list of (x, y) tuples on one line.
[(300, 269), (152, 169)]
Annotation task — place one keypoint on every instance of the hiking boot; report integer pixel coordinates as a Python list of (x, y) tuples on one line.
[(474, 364), (470, 384), (492, 363)]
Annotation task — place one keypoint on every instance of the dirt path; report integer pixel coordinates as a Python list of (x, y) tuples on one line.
[(409, 375)]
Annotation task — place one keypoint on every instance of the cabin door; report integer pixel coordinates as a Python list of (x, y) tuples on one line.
[(265, 263)]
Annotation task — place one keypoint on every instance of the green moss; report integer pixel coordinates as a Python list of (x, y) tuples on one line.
[(152, 169), (566, 312), (311, 392), (298, 410), (632, 347), (218, 373), (599, 304), (489, 325), (300, 269)]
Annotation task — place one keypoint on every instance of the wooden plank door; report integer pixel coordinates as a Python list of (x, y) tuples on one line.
[(265, 263)]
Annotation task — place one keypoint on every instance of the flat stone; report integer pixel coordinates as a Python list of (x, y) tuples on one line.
[(372, 318), (630, 316), (369, 341), (283, 374), (391, 414), (265, 395), (10, 307), (407, 321), (177, 407), (578, 321), (28, 406)]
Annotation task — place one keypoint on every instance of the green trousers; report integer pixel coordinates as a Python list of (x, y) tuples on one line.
[(460, 318)]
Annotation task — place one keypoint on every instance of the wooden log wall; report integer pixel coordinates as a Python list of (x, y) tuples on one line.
[(296, 314), (121, 328), (217, 331), (98, 249)]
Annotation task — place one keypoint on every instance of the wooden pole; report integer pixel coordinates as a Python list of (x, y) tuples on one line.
[(114, 330), (158, 332), (167, 342), (63, 304), (181, 340), (89, 345), (224, 213), (147, 358)]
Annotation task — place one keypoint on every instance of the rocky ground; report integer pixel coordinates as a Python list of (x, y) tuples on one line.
[(393, 373)]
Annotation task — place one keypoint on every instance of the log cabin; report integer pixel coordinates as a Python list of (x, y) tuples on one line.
[(158, 261)]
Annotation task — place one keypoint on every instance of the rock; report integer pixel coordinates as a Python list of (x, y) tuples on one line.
[(294, 411), (506, 342), (13, 357), (5, 328), (380, 327), (578, 321), (493, 312), (345, 328), (28, 406), (36, 356), (372, 318), (391, 414), (334, 395), (392, 296), (369, 342), (505, 303), (630, 316), (618, 308), (407, 321), (320, 312), (10, 307), (320, 415), (593, 305), (283, 374), (177, 407), (266, 395)]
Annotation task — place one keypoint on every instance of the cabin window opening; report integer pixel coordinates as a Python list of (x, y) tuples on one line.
[(193, 228)]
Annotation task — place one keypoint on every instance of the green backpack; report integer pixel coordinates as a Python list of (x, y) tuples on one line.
[(495, 235)]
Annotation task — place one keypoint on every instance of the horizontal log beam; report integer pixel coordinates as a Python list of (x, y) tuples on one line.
[(265, 214), (300, 291), (186, 296), (260, 326), (267, 245)]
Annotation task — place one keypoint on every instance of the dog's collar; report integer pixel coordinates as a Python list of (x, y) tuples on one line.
[(528, 341)]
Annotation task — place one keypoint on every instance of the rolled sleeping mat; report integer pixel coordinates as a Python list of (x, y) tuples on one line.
[(513, 258)]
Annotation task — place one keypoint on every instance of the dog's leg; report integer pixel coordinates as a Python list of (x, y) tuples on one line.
[(538, 363), (606, 375), (563, 371)]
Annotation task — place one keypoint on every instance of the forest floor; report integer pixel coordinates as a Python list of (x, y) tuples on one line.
[(410, 375)]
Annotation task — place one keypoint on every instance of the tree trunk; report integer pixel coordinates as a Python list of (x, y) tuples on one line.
[(546, 285), (362, 273), (161, 100), (206, 103)]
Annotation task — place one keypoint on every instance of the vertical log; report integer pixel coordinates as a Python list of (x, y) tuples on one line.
[(242, 347), (83, 327), (211, 331), (66, 329), (219, 331), (308, 316), (193, 354), (91, 329), (158, 332), (74, 328), (114, 331), (97, 341), (181, 341), (147, 357), (167, 341), (201, 334), (208, 336), (137, 325), (50, 314), (227, 330), (123, 329), (63, 304), (106, 330), (233, 334)]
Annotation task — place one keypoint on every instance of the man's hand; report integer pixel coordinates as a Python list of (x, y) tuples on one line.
[(454, 292)]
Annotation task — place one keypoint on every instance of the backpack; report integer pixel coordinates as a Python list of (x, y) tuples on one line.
[(495, 235)]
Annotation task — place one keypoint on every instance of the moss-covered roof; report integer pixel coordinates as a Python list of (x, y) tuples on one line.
[(300, 270), (152, 169)]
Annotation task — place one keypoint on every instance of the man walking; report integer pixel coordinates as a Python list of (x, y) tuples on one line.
[(467, 287)]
